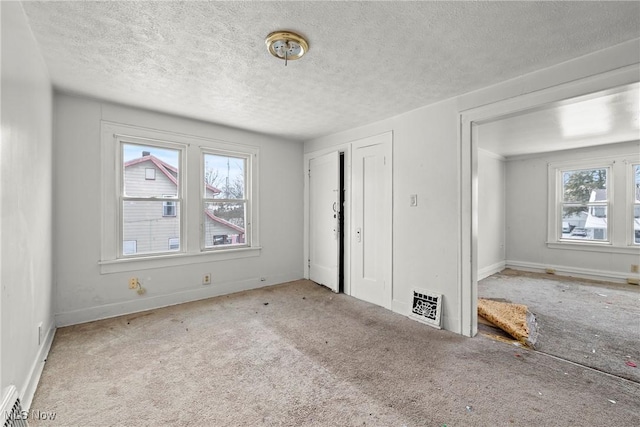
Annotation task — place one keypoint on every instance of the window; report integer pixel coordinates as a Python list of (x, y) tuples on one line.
[(129, 247), (145, 214), (226, 215), (635, 187), (594, 205), (179, 217), (168, 208), (174, 243), (584, 204)]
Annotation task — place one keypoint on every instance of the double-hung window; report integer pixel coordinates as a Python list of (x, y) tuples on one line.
[(594, 205), (584, 204), (172, 199), (150, 209), (226, 203)]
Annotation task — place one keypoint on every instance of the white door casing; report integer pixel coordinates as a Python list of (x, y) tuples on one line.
[(371, 226), (324, 211)]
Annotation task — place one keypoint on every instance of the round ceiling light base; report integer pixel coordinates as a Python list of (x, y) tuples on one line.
[(286, 45)]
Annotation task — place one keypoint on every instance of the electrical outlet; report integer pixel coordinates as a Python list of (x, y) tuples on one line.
[(634, 268), (206, 279), (133, 283)]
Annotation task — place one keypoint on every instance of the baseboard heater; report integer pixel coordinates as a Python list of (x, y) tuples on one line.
[(426, 307), (12, 413)]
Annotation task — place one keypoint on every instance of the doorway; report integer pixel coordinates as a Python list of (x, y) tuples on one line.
[(326, 212), (349, 219), (512, 109)]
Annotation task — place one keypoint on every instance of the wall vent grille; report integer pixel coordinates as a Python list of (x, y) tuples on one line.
[(15, 416), (426, 307)]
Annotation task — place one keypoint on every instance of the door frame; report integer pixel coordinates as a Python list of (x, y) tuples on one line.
[(346, 149), (468, 226)]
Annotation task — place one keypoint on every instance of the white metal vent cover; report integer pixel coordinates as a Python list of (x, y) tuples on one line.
[(426, 307)]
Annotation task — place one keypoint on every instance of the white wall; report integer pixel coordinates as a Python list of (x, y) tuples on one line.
[(26, 194), (491, 213), (427, 239), (83, 293), (526, 194)]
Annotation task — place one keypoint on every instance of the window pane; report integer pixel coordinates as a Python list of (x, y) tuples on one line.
[(146, 223), (584, 185), (584, 223), (573, 218), (224, 176), (149, 171), (224, 224)]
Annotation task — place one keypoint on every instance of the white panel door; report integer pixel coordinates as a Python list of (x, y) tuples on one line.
[(371, 242), (324, 205)]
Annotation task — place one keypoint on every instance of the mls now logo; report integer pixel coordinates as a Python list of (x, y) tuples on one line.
[(33, 414)]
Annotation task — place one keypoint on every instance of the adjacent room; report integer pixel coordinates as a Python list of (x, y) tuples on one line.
[(284, 213)]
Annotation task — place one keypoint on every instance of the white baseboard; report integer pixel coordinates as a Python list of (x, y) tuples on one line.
[(36, 370), (400, 307), (562, 270), (106, 311), (491, 269)]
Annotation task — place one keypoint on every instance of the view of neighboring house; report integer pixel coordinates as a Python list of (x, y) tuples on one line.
[(154, 226), (596, 223)]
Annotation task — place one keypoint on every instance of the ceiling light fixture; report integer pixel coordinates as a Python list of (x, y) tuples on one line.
[(286, 45)]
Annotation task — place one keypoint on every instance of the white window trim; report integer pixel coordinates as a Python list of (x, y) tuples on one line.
[(251, 183), (554, 222), (190, 252), (631, 201)]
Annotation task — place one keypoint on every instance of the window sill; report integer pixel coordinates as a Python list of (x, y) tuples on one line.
[(173, 260), (595, 247)]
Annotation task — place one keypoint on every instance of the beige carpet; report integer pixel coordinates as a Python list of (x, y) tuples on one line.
[(297, 354)]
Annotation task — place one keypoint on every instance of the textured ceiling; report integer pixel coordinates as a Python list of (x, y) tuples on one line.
[(367, 60)]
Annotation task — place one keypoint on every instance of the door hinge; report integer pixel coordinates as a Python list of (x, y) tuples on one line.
[(308, 263), (309, 173)]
